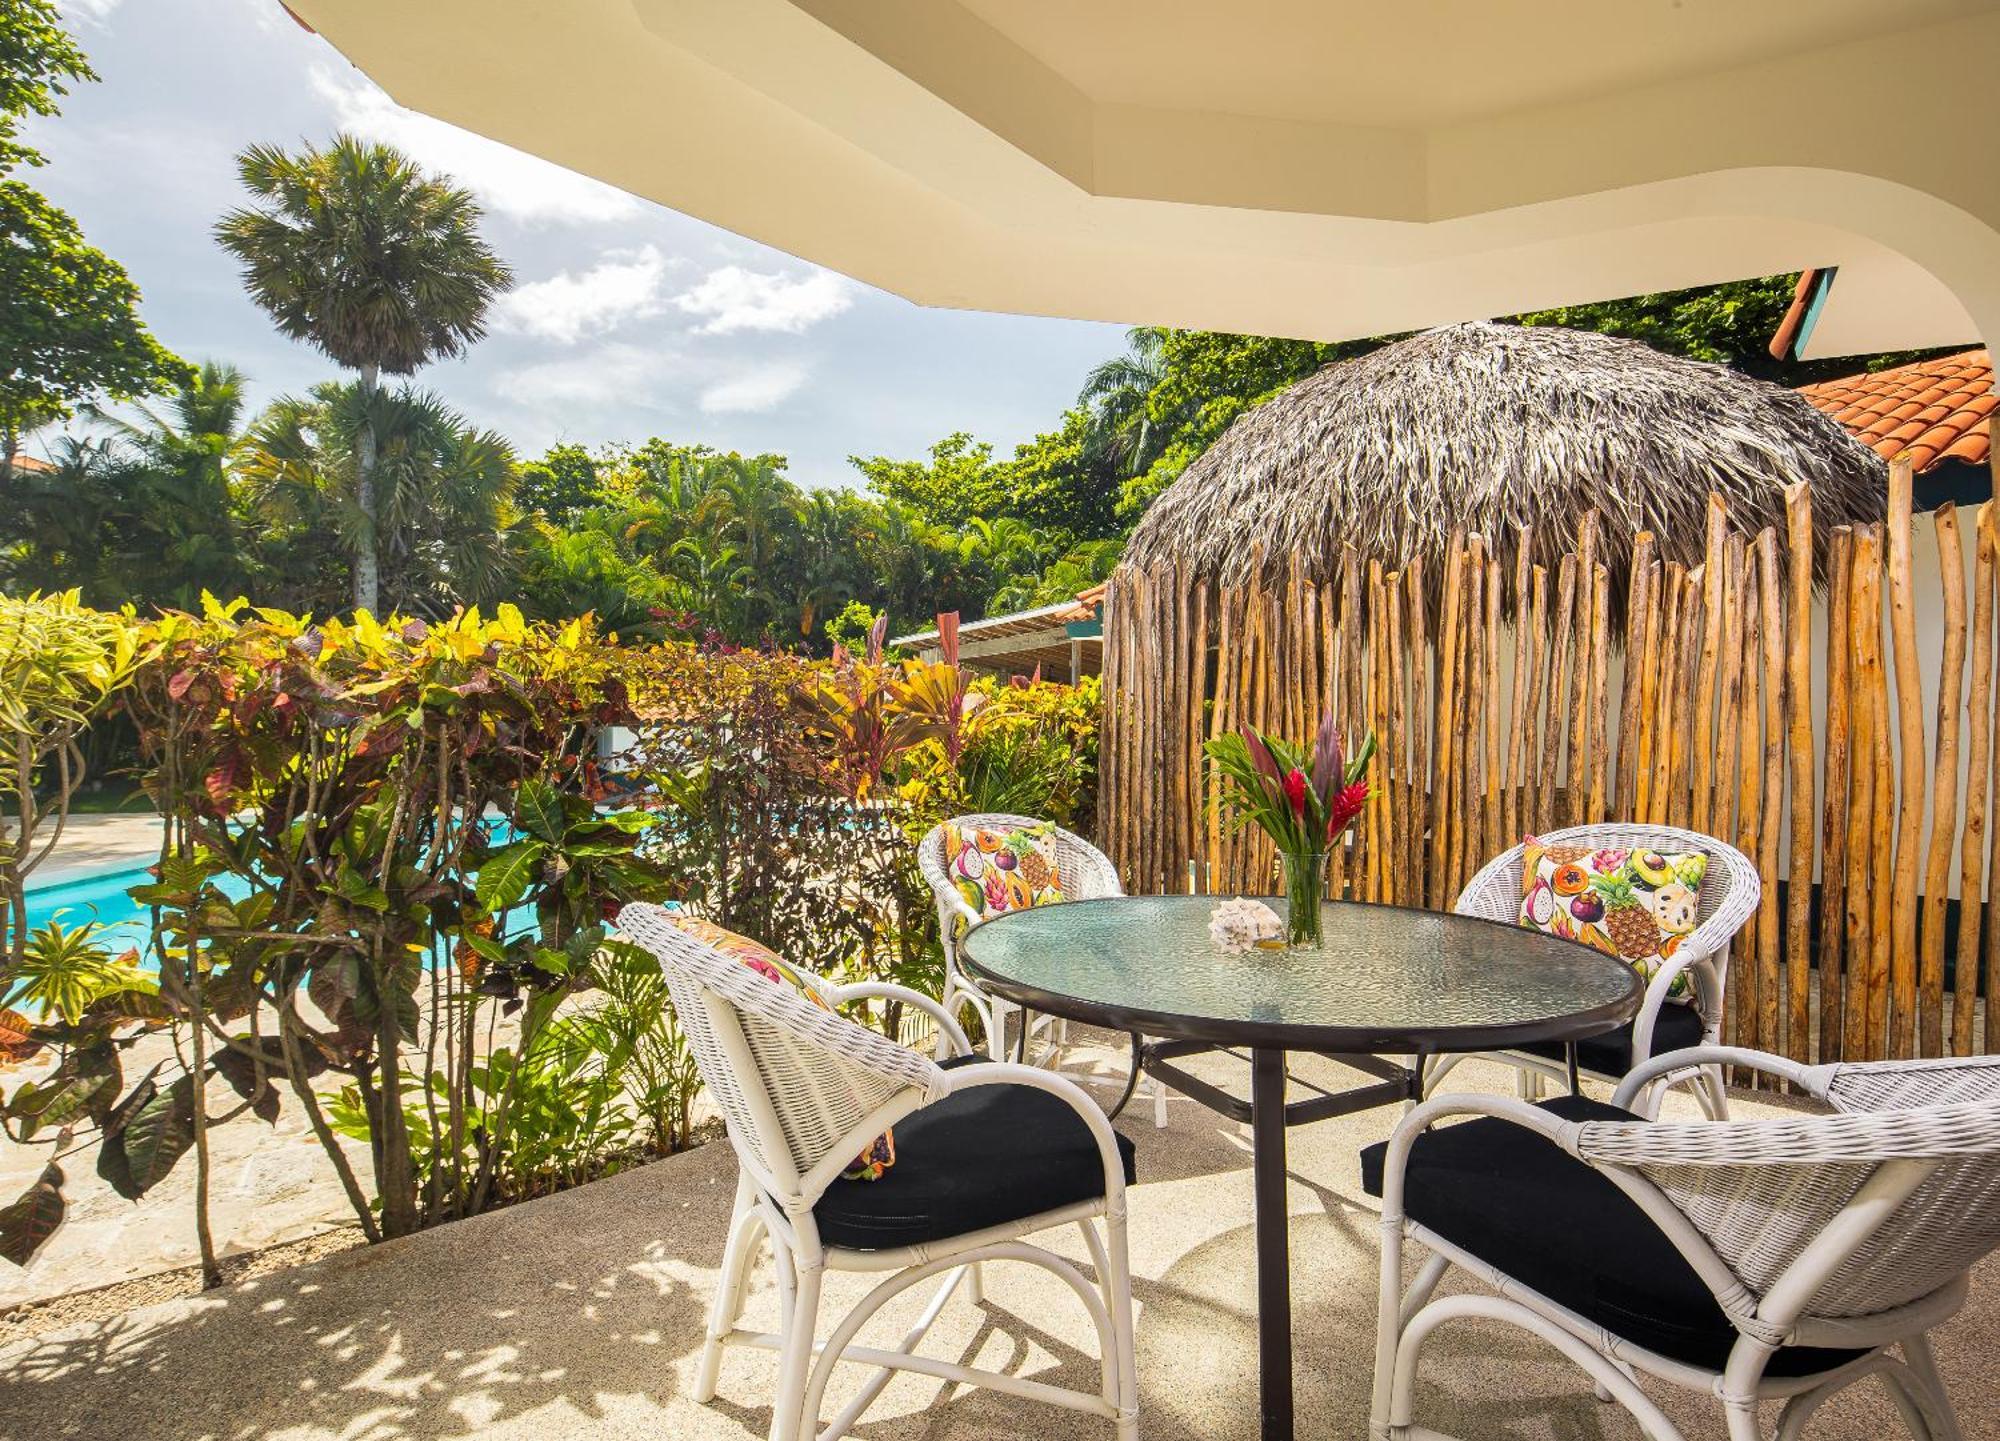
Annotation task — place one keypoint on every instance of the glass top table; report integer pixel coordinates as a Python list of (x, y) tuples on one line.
[(1387, 979), (1386, 982)]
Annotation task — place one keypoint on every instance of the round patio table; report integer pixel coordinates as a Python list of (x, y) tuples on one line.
[(1388, 982)]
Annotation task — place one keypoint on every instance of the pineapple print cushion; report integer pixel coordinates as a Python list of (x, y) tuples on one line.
[(1638, 905), (997, 871), (881, 1152)]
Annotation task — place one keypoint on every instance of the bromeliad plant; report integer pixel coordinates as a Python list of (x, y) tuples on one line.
[(1304, 799)]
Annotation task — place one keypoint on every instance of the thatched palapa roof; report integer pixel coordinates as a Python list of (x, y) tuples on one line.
[(1491, 427)]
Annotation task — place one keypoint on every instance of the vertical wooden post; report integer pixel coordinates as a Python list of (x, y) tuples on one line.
[(1469, 743), (1422, 809), (1600, 683), (1797, 1001), (1641, 732), (1749, 799), (1381, 808), (1535, 795), (1944, 787), (1492, 844), (1909, 700), (1579, 738), (1714, 582), (1547, 812), (1834, 819), (1978, 786), (1517, 715), (1638, 606), (1864, 610), (1728, 736), (1662, 658), (1400, 824), (1769, 953), (1445, 813), (1680, 728)]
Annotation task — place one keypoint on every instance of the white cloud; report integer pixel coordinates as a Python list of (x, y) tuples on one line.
[(516, 184), (760, 389), (613, 376), (94, 12), (624, 285), (734, 299)]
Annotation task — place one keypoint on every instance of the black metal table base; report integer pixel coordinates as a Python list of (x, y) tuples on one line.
[(1269, 1115)]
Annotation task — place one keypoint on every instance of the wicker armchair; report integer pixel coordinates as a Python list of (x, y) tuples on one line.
[(1729, 895), (1085, 873), (989, 1155), (1751, 1261)]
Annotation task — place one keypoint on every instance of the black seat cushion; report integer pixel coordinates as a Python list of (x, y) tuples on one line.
[(979, 1158), (1610, 1054), (1520, 1203)]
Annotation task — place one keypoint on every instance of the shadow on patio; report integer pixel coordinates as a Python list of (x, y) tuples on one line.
[(581, 1316)]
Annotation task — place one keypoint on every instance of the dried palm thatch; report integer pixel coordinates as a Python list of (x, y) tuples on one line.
[(1493, 427)]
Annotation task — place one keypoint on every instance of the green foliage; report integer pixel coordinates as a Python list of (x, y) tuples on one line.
[(560, 486), (357, 252), (850, 628), (365, 756), (441, 508), (69, 323), (148, 515)]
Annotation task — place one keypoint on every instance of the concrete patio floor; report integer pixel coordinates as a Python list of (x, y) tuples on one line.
[(580, 1316)]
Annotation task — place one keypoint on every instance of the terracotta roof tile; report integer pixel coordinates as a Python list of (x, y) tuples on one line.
[(1937, 410)]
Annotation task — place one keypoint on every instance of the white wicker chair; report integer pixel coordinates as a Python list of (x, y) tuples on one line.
[(1821, 1240), (1728, 896), (803, 1090), (1086, 873)]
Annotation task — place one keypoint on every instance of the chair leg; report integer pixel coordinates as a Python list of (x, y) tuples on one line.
[(1159, 1104), (1117, 1289), (1717, 1093), (1935, 1399), (744, 1227), (788, 1419), (996, 1031)]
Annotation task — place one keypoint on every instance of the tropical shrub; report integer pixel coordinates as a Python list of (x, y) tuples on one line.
[(345, 779), (66, 1001)]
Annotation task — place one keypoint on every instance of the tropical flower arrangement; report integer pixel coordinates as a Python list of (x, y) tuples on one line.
[(1304, 798)]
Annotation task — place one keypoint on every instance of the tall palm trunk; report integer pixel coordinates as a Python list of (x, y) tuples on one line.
[(367, 555)]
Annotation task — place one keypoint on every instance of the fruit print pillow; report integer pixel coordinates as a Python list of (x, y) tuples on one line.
[(997, 871), (1638, 905), (881, 1152)]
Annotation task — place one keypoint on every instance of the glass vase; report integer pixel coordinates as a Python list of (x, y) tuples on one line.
[(1305, 889)]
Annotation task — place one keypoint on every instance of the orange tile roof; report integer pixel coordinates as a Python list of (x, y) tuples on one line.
[(1933, 411), (32, 465)]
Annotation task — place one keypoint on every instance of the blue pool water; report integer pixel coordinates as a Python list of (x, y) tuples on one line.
[(101, 896)]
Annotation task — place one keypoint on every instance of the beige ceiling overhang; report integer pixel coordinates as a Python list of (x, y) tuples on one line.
[(1324, 168)]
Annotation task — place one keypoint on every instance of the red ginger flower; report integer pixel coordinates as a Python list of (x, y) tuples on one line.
[(1295, 791), (1343, 807)]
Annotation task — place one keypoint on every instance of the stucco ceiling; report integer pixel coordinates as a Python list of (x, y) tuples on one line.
[(1303, 167)]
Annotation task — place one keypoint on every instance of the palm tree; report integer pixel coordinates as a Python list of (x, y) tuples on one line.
[(183, 508), (826, 566), (1118, 394), (441, 490), (359, 253)]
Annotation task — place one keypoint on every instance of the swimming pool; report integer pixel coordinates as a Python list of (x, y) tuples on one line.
[(103, 897)]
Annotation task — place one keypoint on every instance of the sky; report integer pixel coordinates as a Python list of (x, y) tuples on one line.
[(628, 320)]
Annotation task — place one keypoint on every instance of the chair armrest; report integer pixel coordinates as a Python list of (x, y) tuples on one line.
[(1658, 994), (1810, 1079), (889, 991), (1006, 1073), (1506, 1108)]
